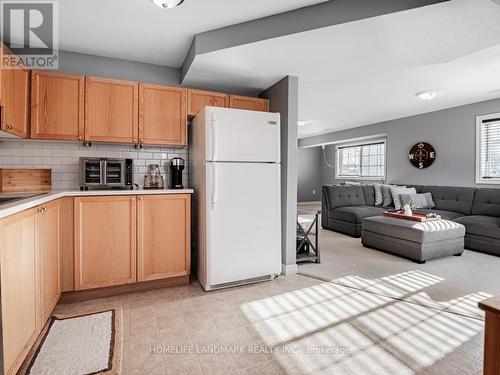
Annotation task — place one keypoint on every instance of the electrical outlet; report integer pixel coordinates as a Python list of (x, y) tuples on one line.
[(314, 192)]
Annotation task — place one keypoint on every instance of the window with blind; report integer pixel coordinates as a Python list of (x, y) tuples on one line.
[(362, 161), (488, 149)]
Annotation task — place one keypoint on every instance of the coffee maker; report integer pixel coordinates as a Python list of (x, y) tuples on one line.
[(176, 168)]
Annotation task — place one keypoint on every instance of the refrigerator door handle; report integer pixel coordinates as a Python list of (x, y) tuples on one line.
[(214, 139), (214, 186)]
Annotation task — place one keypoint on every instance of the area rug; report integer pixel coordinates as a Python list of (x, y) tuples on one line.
[(80, 344)]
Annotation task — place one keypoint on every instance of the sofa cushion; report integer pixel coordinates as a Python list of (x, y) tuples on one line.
[(345, 196), (455, 199), (355, 214), (486, 202), (487, 226), (446, 215), (369, 193)]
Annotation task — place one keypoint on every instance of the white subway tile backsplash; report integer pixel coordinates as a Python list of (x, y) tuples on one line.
[(12, 160), (160, 155), (63, 159), (31, 160), (145, 155), (64, 152)]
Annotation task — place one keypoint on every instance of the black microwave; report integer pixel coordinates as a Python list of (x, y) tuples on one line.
[(104, 173)]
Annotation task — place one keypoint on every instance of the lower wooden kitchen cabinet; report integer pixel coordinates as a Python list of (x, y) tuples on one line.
[(105, 241), (29, 281), (19, 286), (48, 226), (163, 236)]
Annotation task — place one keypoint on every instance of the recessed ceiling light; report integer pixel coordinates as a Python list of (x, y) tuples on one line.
[(167, 4), (427, 95), (303, 122)]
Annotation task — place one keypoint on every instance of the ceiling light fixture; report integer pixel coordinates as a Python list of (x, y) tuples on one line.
[(303, 122), (427, 95), (167, 4)]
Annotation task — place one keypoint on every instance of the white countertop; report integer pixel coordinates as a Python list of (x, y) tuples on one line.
[(16, 206)]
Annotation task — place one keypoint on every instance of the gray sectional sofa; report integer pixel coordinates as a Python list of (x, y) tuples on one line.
[(345, 207)]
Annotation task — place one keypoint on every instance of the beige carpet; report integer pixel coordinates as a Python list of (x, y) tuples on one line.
[(452, 284), (87, 343)]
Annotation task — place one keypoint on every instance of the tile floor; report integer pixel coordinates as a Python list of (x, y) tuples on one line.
[(293, 325)]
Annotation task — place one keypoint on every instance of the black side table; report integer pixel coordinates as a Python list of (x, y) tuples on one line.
[(308, 247)]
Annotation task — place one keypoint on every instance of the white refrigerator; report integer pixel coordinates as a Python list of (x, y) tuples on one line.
[(236, 176)]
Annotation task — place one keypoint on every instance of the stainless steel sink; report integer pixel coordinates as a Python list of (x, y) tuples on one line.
[(8, 198)]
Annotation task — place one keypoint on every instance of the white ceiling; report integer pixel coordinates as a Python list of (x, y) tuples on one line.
[(140, 31), (369, 71)]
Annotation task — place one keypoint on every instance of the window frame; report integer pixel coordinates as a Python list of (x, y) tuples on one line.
[(360, 144), (479, 124)]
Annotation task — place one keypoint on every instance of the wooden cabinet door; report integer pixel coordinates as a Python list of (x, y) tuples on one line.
[(198, 99), (18, 280), (162, 115), (111, 110), (48, 222), (15, 100), (105, 241), (163, 236), (57, 104), (246, 102)]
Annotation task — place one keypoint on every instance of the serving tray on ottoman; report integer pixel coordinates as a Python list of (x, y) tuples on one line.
[(418, 241), (414, 217)]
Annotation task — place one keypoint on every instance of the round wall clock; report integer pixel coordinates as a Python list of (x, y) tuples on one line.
[(422, 155)]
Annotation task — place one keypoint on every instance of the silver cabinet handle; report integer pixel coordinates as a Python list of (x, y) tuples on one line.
[(9, 126)]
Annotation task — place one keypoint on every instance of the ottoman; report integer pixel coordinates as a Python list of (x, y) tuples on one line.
[(418, 241)]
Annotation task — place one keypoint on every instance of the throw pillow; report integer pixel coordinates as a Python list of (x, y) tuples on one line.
[(421, 200), (430, 201), (386, 194), (396, 195), (379, 198)]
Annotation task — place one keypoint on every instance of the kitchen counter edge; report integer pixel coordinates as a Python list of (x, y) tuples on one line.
[(27, 203)]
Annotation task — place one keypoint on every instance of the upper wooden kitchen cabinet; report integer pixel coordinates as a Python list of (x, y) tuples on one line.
[(14, 99), (105, 241), (18, 281), (48, 227), (57, 106), (249, 103), (163, 236), (111, 110), (162, 115), (198, 99)]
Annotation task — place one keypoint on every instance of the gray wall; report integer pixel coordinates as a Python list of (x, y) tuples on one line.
[(450, 131), (309, 175), (92, 65), (284, 97)]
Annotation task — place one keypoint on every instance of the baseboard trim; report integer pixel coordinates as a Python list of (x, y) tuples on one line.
[(85, 295), (289, 269)]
